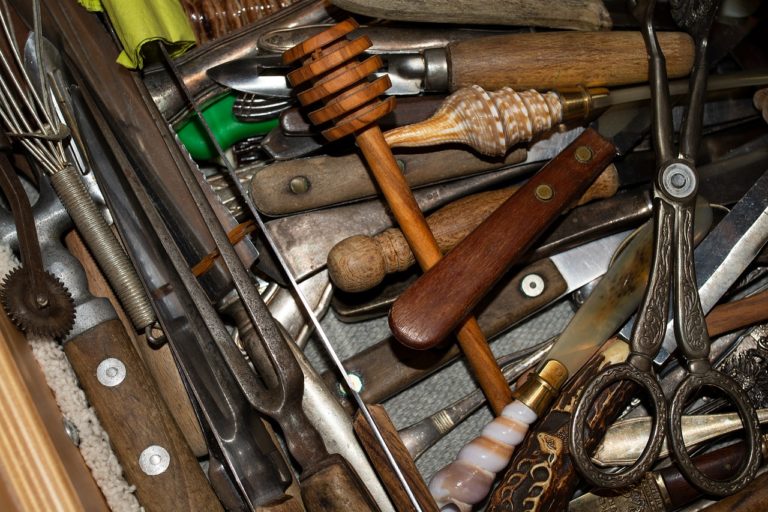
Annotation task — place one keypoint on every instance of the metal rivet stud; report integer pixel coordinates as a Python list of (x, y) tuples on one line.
[(154, 460), (111, 372), (299, 185), (544, 192), (532, 285), (583, 154)]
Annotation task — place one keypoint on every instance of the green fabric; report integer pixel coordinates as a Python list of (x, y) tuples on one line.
[(138, 22)]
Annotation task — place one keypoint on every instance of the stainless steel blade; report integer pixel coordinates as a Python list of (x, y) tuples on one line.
[(583, 264)]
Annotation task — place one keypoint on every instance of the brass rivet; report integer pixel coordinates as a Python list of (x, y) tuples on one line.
[(544, 192), (299, 185), (583, 154)]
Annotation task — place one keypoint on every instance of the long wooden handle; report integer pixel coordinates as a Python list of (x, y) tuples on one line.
[(291, 186), (427, 312), (404, 460), (543, 461), (416, 231), (549, 60), (730, 316), (140, 427), (361, 262)]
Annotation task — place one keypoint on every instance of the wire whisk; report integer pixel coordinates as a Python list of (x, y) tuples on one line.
[(31, 116)]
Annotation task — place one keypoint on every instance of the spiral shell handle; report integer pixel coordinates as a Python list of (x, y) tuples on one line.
[(467, 480), (490, 122)]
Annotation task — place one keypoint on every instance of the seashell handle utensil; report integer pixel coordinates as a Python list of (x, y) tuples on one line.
[(490, 122), (352, 103)]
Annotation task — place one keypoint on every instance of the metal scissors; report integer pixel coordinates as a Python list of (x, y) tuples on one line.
[(675, 189)]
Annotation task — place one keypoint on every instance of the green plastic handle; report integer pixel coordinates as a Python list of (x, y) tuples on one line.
[(225, 127)]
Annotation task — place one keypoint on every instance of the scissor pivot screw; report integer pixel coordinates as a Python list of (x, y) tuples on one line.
[(544, 192), (583, 154), (678, 180)]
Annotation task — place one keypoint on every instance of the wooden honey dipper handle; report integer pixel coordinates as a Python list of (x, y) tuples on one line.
[(360, 262), (352, 103)]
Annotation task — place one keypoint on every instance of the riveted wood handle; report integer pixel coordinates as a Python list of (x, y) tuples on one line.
[(158, 360), (139, 424), (290, 186), (361, 262), (427, 312), (590, 59), (403, 458)]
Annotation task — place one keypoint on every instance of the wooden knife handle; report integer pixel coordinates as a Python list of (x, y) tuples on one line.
[(361, 262), (590, 59), (404, 461), (158, 360), (290, 186), (542, 460), (733, 315), (427, 312), (388, 367), (129, 407)]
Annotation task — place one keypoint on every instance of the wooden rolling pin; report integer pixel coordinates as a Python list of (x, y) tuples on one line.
[(427, 312), (360, 262)]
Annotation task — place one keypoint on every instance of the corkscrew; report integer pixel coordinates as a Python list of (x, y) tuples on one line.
[(339, 80)]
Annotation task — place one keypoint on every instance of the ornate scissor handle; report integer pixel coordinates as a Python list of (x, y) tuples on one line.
[(577, 440), (752, 458)]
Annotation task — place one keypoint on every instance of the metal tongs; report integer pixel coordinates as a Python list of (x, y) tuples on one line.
[(674, 190)]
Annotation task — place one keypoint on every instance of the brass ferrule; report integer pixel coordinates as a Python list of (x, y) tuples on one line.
[(541, 388), (578, 102)]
